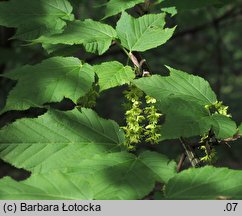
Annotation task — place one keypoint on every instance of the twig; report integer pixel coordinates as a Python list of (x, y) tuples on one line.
[(190, 153), (181, 161)]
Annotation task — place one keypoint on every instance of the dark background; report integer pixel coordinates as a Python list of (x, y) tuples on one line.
[(207, 42)]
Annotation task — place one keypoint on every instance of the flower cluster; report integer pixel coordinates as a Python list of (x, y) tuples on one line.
[(135, 130), (210, 154), (152, 129), (134, 118), (207, 145), (218, 108)]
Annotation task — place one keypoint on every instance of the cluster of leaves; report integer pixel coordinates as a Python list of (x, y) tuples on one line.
[(77, 154)]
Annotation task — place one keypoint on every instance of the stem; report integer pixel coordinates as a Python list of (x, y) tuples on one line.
[(190, 153), (120, 46), (126, 52), (139, 63), (181, 161), (127, 62)]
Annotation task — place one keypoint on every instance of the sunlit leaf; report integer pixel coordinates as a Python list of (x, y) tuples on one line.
[(49, 81), (143, 33), (112, 74), (96, 37), (178, 84)]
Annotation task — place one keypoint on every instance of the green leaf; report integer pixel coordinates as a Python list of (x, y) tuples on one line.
[(182, 98), (183, 119), (159, 164), (49, 81), (223, 126), (35, 18), (143, 33), (178, 84), (110, 176), (96, 37), (114, 7), (112, 74), (52, 186), (205, 183), (78, 152), (121, 175), (57, 139), (128, 180), (187, 119), (61, 49), (170, 10)]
